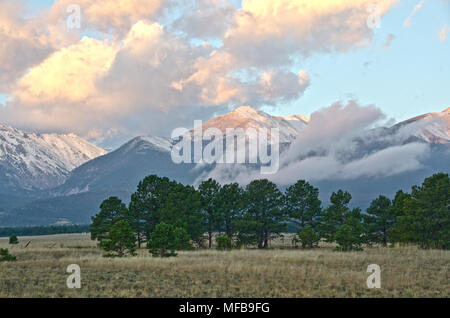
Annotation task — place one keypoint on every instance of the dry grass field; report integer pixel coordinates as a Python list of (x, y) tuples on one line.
[(40, 271)]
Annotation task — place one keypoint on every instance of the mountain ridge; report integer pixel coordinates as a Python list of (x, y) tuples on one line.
[(34, 161), (119, 171)]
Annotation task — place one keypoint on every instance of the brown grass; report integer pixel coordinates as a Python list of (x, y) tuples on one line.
[(40, 271)]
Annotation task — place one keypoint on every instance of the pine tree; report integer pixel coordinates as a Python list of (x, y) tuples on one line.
[(379, 220), (5, 256), (112, 210), (230, 206), (145, 205), (120, 240), (209, 191), (13, 239), (183, 208), (224, 243), (350, 235), (264, 217), (334, 216), (426, 214), (166, 239), (308, 237), (399, 230), (302, 203)]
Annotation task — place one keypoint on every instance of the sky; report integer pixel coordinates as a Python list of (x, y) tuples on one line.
[(149, 66)]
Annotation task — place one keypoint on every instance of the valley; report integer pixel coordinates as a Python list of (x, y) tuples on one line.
[(281, 271)]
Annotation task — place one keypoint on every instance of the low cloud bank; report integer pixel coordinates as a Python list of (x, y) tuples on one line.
[(341, 142)]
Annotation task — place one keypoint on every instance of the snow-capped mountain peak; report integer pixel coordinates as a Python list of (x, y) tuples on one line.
[(31, 160), (431, 127), (245, 117), (158, 143)]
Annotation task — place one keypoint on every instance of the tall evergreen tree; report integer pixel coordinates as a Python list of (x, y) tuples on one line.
[(120, 240), (166, 239), (209, 191), (302, 203), (264, 217), (230, 206), (183, 208), (350, 236), (399, 230), (426, 218), (379, 220), (145, 205), (112, 210), (334, 216)]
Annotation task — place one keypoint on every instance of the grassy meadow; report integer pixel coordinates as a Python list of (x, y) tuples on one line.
[(281, 271)]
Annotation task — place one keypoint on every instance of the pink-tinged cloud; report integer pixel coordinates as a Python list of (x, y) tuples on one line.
[(146, 78), (443, 33), (108, 16), (272, 32), (340, 142), (150, 78), (417, 7)]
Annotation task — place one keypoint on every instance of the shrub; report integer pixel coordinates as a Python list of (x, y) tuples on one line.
[(13, 239), (348, 239), (308, 237), (120, 240), (5, 256), (224, 243), (166, 239)]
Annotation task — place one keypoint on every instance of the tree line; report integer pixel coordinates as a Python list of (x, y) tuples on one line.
[(168, 216), (43, 230)]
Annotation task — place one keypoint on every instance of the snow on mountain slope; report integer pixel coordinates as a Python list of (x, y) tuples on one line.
[(158, 143), (431, 127), (122, 169), (40, 161), (247, 117)]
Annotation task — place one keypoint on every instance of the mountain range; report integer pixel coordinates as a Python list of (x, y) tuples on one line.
[(57, 179), (32, 162)]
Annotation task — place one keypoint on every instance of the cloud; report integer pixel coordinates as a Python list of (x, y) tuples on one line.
[(68, 75), (61, 93), (443, 33), (107, 16), (389, 38), (217, 15), (333, 127), (23, 42), (273, 32), (150, 83), (341, 142), (417, 7), (147, 78)]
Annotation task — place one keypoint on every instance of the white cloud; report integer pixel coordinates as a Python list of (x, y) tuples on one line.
[(147, 78), (23, 42), (151, 83), (443, 33), (389, 38), (272, 32), (108, 16), (339, 143), (417, 7), (205, 19)]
